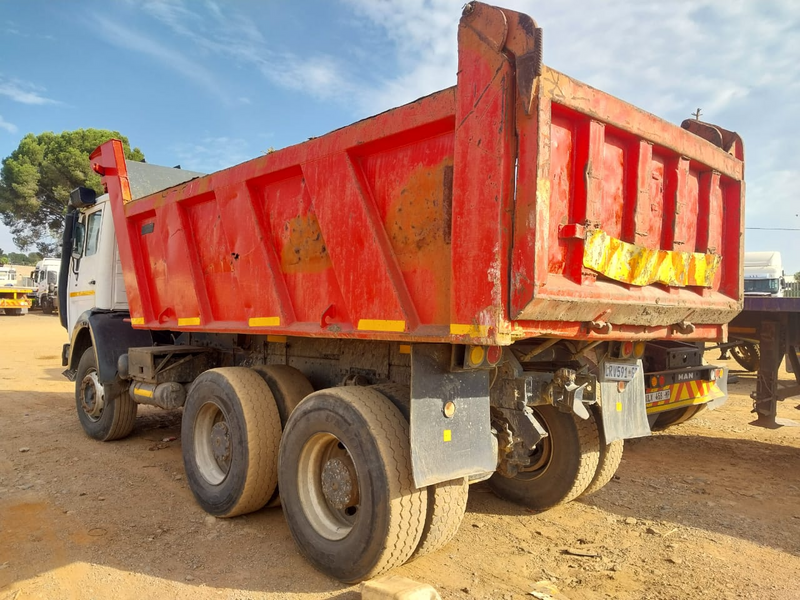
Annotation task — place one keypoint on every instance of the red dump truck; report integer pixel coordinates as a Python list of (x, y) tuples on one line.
[(455, 290)]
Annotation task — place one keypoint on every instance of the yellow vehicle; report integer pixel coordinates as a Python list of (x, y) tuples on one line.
[(14, 298)]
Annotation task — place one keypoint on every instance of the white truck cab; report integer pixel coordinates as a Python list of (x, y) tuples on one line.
[(45, 284), (763, 274)]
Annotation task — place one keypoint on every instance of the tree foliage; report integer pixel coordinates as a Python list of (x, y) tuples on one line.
[(36, 179)]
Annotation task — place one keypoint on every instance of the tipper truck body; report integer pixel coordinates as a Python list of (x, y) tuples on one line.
[(454, 290)]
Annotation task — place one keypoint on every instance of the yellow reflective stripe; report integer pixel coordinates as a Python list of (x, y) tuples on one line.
[(469, 329), (405, 349), (137, 320), (640, 266), (143, 392), (281, 339), (264, 321), (83, 293), (381, 325), (188, 321)]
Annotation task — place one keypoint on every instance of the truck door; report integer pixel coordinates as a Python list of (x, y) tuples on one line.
[(82, 279)]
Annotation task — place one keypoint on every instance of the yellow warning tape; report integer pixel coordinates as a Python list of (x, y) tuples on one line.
[(640, 266)]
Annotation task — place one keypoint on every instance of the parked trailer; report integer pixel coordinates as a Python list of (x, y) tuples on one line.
[(772, 327), (450, 291)]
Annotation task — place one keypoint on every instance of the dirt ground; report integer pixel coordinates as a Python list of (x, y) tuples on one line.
[(709, 509)]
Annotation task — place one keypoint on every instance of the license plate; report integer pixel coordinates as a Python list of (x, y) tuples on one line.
[(620, 371), (656, 396)]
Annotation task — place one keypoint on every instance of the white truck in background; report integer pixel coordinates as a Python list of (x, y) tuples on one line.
[(45, 282), (763, 274)]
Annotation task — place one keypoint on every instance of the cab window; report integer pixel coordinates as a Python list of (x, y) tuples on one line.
[(93, 232)]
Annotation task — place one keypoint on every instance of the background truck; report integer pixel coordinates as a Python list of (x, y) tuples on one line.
[(453, 290), (764, 275), (14, 296), (45, 282)]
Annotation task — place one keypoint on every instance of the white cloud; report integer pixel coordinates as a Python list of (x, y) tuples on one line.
[(167, 57), (24, 92), (229, 34), (212, 153), (9, 127)]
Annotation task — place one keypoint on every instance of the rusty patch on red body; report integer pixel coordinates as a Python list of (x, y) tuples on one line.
[(304, 248)]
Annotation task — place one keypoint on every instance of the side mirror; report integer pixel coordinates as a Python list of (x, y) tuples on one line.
[(81, 197)]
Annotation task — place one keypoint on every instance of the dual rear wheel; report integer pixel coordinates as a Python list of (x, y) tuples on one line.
[(573, 460), (341, 458)]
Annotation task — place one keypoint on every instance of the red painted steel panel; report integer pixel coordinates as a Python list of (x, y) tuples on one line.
[(461, 217)]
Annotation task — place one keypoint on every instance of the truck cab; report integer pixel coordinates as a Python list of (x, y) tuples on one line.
[(45, 284), (764, 275)]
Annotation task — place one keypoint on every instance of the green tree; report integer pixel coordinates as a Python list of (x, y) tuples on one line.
[(34, 257), (19, 258), (37, 177), (3, 260), (796, 275)]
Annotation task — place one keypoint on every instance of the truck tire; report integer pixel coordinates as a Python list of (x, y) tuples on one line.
[(748, 355), (102, 418), (345, 477), (609, 460), (230, 435), (562, 467), (447, 501), (289, 386), (47, 306), (668, 418), (14, 312)]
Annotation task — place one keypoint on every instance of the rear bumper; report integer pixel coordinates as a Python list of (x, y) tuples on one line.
[(702, 385)]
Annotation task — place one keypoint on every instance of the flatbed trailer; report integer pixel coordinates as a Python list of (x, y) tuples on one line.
[(774, 323), (457, 289), (14, 300)]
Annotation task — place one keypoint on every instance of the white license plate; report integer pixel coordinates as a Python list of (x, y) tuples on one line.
[(657, 396), (620, 371)]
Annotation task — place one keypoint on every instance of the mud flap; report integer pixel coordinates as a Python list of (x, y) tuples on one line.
[(624, 412), (445, 448)]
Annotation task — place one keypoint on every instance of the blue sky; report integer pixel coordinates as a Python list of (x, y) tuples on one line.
[(210, 84)]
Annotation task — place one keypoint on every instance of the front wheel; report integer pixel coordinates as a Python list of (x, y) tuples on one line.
[(102, 418), (560, 468), (346, 484)]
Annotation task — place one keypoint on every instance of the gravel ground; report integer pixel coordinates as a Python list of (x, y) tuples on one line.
[(710, 509)]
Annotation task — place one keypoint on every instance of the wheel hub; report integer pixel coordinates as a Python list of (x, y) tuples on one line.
[(92, 396), (221, 442), (339, 484)]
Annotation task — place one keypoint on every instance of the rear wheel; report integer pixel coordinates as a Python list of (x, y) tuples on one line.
[(47, 306), (230, 437), (102, 418), (346, 483), (447, 501), (609, 459), (14, 312), (562, 466), (748, 355), (289, 386)]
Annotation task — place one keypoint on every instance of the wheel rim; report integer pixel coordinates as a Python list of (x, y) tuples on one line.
[(212, 443), (542, 456), (328, 486), (92, 396)]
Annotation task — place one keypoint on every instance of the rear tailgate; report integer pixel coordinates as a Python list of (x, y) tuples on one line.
[(622, 217)]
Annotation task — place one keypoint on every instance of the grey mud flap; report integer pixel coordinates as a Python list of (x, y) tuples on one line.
[(445, 448), (624, 412)]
